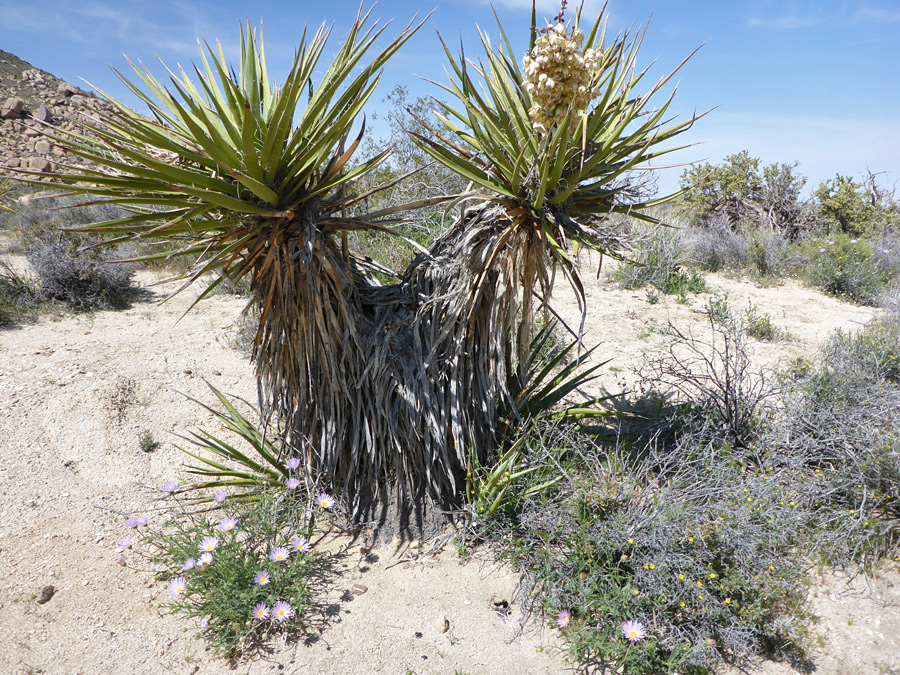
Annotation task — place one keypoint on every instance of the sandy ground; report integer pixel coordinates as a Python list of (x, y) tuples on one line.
[(77, 392)]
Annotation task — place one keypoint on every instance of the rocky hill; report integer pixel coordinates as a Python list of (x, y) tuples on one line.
[(30, 100)]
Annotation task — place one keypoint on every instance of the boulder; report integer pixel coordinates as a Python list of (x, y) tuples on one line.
[(12, 108), (34, 75), (66, 89), (40, 164), (42, 114)]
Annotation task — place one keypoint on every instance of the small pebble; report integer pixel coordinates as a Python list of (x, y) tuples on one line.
[(359, 589), (441, 624), (47, 592)]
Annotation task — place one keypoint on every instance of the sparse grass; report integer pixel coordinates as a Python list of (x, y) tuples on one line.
[(146, 441), (759, 325)]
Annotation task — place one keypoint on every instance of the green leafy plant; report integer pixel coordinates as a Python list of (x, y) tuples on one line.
[(505, 483), (717, 309), (845, 267), (759, 325), (551, 377), (258, 558)]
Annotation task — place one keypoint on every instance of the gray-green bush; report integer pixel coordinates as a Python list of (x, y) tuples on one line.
[(701, 524)]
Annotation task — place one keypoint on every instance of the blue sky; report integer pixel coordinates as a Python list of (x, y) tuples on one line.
[(792, 80)]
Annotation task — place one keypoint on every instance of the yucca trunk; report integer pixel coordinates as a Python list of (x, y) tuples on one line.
[(306, 351), (375, 384)]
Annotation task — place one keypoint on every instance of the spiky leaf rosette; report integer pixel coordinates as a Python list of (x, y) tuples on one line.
[(220, 168), (255, 180), (555, 143)]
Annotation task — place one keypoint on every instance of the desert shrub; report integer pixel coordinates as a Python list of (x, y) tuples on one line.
[(37, 215), (19, 300), (241, 572), (841, 206), (698, 537), (70, 267), (759, 325), (716, 377), (768, 254), (84, 279), (736, 193), (871, 353), (846, 267), (717, 247), (660, 257), (717, 308), (679, 541), (839, 438)]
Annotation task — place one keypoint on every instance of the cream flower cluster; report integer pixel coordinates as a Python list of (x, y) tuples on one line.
[(559, 76)]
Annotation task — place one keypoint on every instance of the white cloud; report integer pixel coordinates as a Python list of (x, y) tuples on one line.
[(785, 22), (869, 14)]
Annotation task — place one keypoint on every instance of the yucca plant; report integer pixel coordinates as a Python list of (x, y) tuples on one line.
[(555, 142), (256, 180), (371, 383), (552, 160)]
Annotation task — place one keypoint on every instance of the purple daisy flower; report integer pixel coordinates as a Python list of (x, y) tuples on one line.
[(176, 587), (563, 619), (204, 561), (125, 543), (226, 524), (325, 500), (136, 521), (300, 544), (219, 496), (293, 463), (169, 486), (292, 483), (279, 554), (281, 611), (189, 564), (204, 622), (262, 578), (633, 630), (261, 612), (208, 544)]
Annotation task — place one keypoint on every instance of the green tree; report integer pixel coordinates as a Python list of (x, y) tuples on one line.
[(739, 192), (842, 204), (731, 189), (782, 207)]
